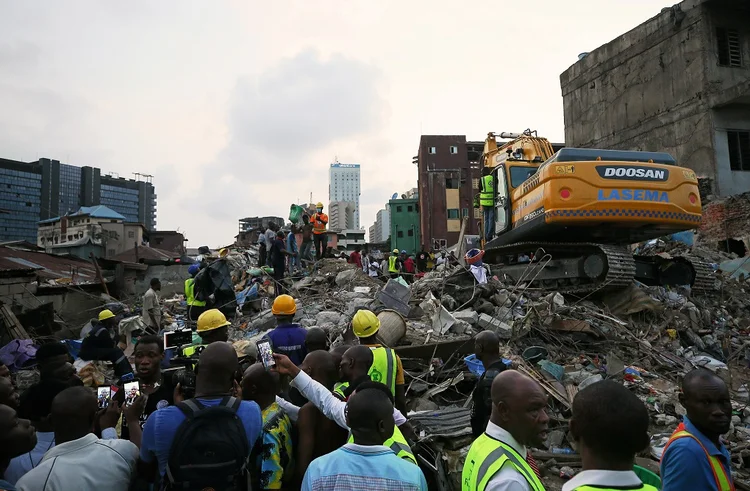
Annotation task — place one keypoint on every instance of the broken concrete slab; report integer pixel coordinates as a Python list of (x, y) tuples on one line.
[(357, 303), (396, 296), (467, 315), (328, 317), (460, 327), (442, 320), (503, 330), (346, 277)]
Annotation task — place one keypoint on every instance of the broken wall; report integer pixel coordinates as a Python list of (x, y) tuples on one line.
[(644, 91), (172, 279)]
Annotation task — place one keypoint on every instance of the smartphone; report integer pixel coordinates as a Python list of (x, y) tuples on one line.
[(175, 339), (265, 353), (103, 396), (132, 390)]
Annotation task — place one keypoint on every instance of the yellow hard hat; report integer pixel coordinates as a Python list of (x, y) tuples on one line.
[(284, 305), (365, 323), (223, 252), (211, 319), (105, 314), (319, 205), (395, 251)]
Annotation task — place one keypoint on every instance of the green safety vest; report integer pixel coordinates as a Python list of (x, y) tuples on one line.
[(485, 459), (398, 444), (384, 367), (190, 293), (487, 196), (339, 389), (392, 261), (644, 487), (191, 350)]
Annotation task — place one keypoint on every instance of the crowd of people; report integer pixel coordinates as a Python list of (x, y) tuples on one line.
[(316, 418)]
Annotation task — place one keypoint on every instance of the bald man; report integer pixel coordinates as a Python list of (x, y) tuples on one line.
[(274, 462), (497, 460), (214, 386), (487, 350), (318, 435), (353, 369), (79, 459), (695, 457)]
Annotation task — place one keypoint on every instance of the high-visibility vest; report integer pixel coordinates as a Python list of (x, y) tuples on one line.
[(644, 487), (189, 351), (485, 459), (384, 367), (190, 293), (339, 388), (319, 225), (398, 444), (721, 476), (392, 264), (487, 196)]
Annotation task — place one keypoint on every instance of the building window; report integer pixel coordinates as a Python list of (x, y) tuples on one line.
[(410, 233), (454, 150), (739, 150), (398, 209), (465, 212), (432, 150), (453, 213), (475, 183), (400, 234), (730, 47), (451, 183), (131, 234), (409, 208), (477, 213)]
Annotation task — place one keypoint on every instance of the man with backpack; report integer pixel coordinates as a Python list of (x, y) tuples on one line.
[(204, 442)]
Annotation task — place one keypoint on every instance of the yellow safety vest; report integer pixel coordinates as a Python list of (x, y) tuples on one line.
[(487, 195), (392, 261), (384, 367), (339, 389), (723, 481), (190, 293), (191, 350), (485, 459), (398, 444), (644, 487)]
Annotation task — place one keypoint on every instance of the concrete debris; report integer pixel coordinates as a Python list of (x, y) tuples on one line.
[(468, 316), (503, 330)]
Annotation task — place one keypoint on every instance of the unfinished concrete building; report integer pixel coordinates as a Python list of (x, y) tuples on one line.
[(680, 83)]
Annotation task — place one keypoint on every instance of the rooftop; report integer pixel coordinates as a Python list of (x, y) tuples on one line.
[(47, 266), (98, 211)]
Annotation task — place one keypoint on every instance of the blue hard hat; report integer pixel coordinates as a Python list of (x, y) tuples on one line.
[(403, 251), (193, 269)]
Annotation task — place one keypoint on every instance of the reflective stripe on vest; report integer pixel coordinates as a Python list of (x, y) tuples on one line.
[(190, 293), (398, 445), (487, 194), (319, 227), (721, 477), (485, 459), (191, 350), (392, 264), (383, 368), (644, 487), (339, 389)]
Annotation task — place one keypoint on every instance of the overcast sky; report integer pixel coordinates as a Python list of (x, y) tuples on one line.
[(238, 107)]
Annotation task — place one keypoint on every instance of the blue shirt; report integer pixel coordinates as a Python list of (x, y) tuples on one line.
[(162, 425), (375, 468), (22, 464), (291, 242), (684, 466), (6, 486), (289, 340)]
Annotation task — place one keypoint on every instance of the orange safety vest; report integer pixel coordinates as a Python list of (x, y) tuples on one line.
[(319, 225), (723, 481)]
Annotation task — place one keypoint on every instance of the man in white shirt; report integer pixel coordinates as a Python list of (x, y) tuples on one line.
[(80, 460), (609, 425), (498, 460), (151, 315)]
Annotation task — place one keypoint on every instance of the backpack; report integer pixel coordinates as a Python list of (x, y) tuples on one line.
[(210, 449)]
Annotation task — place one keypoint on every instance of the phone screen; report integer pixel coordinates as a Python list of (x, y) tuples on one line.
[(176, 339), (132, 390), (265, 353), (103, 396)]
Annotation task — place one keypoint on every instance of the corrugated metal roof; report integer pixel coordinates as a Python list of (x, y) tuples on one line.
[(49, 266), (99, 211)]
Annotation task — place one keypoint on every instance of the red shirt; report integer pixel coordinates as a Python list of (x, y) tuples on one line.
[(409, 265), (356, 258)]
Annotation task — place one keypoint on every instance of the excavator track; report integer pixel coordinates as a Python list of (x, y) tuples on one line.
[(572, 267), (586, 267)]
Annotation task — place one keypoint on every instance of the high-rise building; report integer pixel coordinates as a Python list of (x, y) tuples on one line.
[(383, 224), (343, 185), (449, 172), (44, 189), (341, 215)]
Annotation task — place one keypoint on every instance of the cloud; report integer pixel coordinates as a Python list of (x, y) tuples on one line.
[(284, 125)]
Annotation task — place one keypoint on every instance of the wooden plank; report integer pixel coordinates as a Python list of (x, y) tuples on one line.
[(15, 329)]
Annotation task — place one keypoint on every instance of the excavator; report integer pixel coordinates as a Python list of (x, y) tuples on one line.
[(566, 220)]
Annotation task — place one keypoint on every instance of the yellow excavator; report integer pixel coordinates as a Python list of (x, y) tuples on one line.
[(566, 220)]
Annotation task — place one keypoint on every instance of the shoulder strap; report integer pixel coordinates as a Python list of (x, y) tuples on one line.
[(190, 407), (231, 402)]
